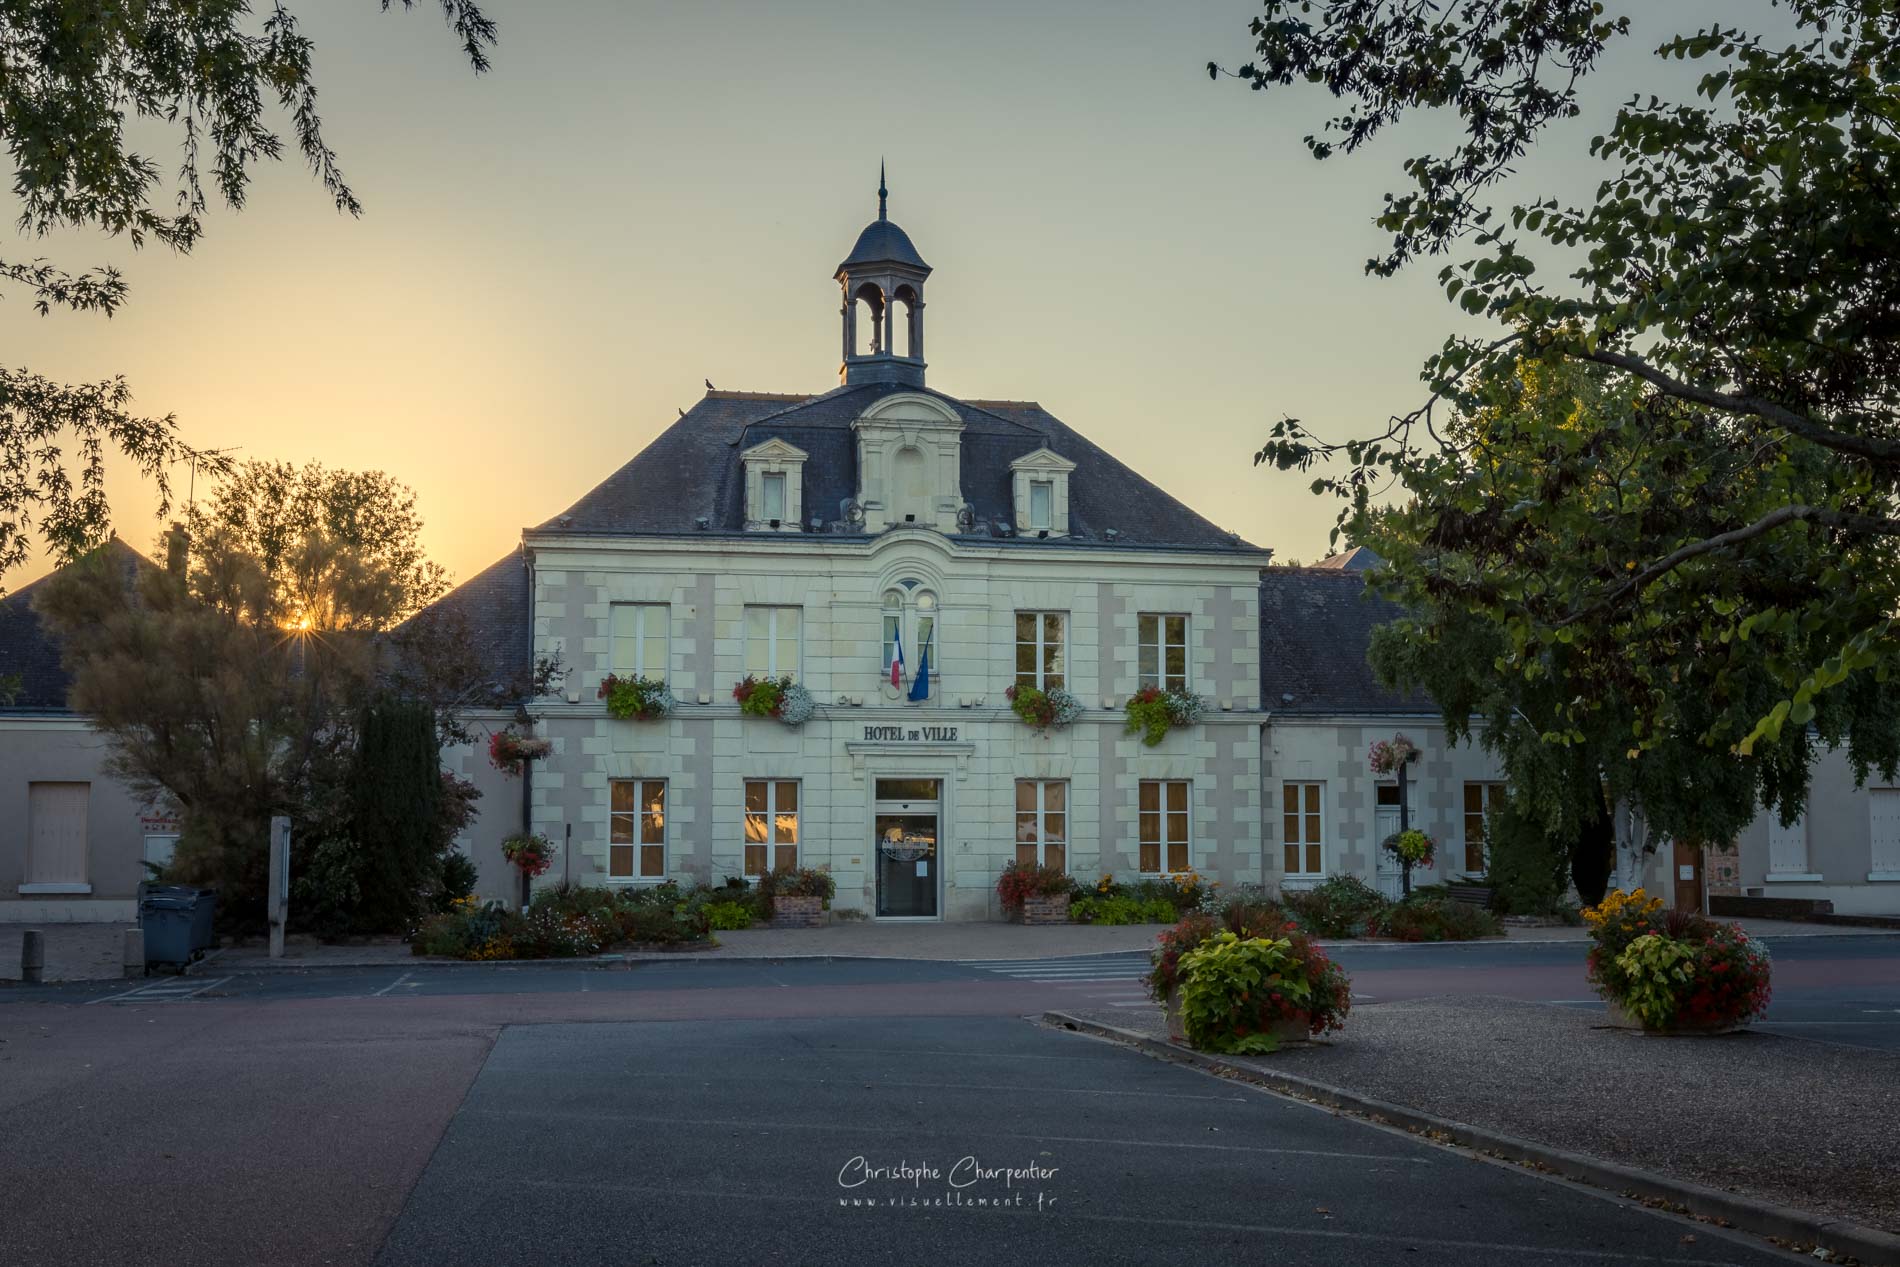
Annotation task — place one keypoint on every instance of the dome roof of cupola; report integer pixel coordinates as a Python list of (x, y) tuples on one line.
[(882, 242)]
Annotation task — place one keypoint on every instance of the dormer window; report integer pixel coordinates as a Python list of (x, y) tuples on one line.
[(1040, 487), (774, 480)]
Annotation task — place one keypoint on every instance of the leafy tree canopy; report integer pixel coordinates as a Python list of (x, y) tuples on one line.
[(1727, 506), (219, 78)]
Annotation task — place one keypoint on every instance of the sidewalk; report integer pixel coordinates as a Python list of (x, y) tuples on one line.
[(74, 952), (870, 939)]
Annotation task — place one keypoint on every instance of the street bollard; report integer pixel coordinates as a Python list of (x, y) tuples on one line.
[(134, 952), (33, 957)]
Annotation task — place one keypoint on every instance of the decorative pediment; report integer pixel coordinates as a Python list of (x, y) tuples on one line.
[(774, 450), (1043, 459)]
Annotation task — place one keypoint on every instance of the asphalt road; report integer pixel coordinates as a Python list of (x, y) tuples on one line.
[(1834, 989), (692, 1111), (974, 1141)]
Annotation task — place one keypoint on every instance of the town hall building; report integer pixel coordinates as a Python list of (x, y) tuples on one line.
[(907, 557)]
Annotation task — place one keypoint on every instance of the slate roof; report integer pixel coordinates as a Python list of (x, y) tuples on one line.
[(882, 242), (1316, 626), (1357, 559), (692, 469), (31, 651), (492, 609)]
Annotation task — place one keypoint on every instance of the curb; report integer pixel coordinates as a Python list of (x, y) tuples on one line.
[(1871, 1246)]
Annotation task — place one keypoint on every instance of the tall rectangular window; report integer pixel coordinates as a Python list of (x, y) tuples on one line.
[(636, 829), (1042, 822), (640, 640), (1302, 828), (771, 825), (772, 495), (1042, 505), (772, 637), (1162, 651), (1164, 826), (1481, 800), (1040, 655)]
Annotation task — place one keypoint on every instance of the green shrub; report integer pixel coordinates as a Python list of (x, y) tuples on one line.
[(1119, 909), (1438, 919), (1342, 906), (1235, 991), (1529, 874), (723, 915), (458, 880), (330, 890), (664, 925)]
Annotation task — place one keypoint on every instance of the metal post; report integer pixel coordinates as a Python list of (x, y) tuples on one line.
[(1405, 825), (277, 904), (33, 957)]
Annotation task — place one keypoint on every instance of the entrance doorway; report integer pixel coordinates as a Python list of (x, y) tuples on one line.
[(1688, 876), (904, 822), (1385, 822)]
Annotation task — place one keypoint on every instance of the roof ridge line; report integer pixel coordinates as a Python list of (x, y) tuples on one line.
[(720, 393)]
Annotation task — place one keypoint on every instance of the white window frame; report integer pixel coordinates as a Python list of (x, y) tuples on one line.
[(771, 844), (773, 666), (1159, 646), (1039, 818), (1165, 841), (636, 820), (1486, 799), (1042, 505), (768, 482), (1040, 677), (918, 616), (1302, 814), (636, 664)]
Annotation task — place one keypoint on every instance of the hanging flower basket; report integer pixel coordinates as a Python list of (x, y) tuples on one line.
[(778, 697), (1413, 848), (531, 855), (509, 750), (1387, 755), (1040, 709), (636, 698), (1153, 712)]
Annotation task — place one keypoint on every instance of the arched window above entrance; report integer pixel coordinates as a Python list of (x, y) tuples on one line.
[(910, 617)]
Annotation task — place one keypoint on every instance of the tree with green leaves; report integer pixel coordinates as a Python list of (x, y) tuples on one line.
[(1701, 548), (232, 681), (72, 78)]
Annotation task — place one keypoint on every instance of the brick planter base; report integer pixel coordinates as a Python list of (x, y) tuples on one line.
[(798, 912), (1045, 910)]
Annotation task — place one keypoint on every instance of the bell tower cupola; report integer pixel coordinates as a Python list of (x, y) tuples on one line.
[(883, 275)]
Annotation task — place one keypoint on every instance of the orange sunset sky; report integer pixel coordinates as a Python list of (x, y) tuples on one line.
[(641, 196)]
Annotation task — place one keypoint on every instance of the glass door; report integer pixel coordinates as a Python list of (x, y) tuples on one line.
[(904, 822)]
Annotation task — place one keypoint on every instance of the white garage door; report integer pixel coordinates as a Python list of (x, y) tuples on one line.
[(56, 833)]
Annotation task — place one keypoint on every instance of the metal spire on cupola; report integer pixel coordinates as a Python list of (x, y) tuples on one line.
[(883, 194)]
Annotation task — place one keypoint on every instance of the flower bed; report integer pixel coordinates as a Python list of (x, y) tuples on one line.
[(796, 897), (1247, 989), (570, 921), (636, 698), (1675, 972), (1152, 712), (1152, 900), (1024, 883)]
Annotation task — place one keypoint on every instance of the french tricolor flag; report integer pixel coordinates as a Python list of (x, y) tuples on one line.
[(897, 659)]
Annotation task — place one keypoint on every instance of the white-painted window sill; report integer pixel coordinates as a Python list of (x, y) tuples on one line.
[(81, 890), (1883, 877), (1792, 877)]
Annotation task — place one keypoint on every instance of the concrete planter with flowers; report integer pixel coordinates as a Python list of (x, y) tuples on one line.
[(798, 897), (1673, 973), (1034, 894)]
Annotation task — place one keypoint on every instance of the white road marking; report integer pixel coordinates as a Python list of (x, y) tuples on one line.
[(160, 992), (375, 994)]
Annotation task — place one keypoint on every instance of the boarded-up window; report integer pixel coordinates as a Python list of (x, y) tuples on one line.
[(1884, 808), (1787, 846), (56, 833)]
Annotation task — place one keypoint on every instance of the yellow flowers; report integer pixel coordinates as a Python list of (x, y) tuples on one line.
[(1188, 880), (1618, 903), (1106, 884)]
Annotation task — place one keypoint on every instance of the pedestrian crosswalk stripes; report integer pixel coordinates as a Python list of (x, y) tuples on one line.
[(1122, 969)]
